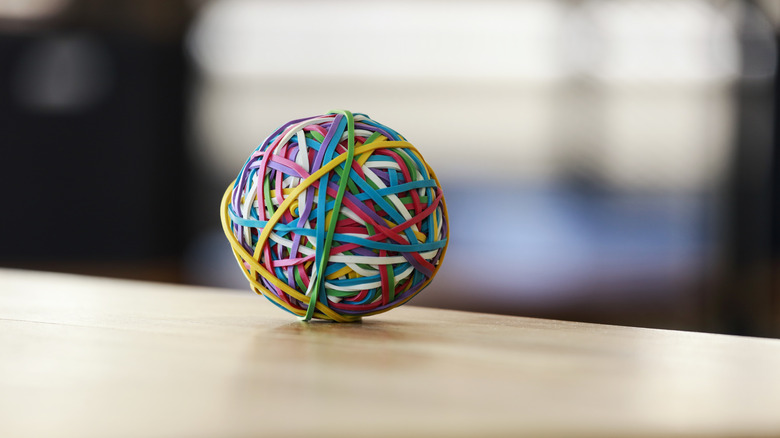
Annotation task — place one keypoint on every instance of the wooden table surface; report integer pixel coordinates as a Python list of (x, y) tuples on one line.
[(90, 357)]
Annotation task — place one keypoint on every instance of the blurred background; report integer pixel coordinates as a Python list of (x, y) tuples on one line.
[(604, 161)]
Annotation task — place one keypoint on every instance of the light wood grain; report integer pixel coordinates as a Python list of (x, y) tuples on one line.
[(90, 357)]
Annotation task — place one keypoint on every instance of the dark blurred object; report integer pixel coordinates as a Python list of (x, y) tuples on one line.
[(774, 281), (746, 302), (91, 109)]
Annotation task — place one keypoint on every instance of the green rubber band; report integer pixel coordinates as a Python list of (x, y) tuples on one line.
[(343, 180)]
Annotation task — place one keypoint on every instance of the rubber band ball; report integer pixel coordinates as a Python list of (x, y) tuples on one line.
[(336, 217)]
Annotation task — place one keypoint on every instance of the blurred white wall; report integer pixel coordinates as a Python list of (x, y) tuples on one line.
[(636, 92)]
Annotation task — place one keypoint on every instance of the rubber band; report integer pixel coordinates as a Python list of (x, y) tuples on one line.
[(336, 217)]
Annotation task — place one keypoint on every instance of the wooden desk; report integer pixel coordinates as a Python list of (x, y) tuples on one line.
[(89, 357)]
